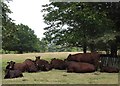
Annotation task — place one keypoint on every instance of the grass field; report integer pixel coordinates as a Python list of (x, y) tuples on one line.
[(55, 76)]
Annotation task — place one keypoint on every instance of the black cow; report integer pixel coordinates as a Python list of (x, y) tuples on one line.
[(80, 67), (92, 58), (58, 64), (12, 74), (17, 66), (27, 66), (109, 69), (37, 58)]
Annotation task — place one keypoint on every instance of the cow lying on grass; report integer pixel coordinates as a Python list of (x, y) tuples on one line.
[(27, 66), (92, 58), (42, 64), (58, 64), (12, 74), (80, 67), (109, 69), (16, 66), (31, 66)]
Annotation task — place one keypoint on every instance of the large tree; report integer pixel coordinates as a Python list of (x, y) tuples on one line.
[(26, 41), (8, 27), (75, 24), (19, 38), (112, 40)]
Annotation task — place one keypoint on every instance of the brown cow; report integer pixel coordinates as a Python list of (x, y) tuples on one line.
[(92, 58), (16, 66), (58, 64), (31, 65), (12, 74), (109, 69), (27, 66), (80, 67), (42, 64)]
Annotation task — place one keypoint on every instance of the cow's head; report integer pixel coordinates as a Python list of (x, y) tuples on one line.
[(37, 57), (69, 55), (10, 65), (53, 59), (48, 67)]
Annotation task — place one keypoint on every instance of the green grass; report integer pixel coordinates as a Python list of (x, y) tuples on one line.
[(61, 77), (0, 69), (55, 76)]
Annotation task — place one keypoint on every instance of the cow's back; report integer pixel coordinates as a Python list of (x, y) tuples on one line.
[(87, 67), (20, 66), (31, 65), (109, 69), (92, 58), (43, 65), (58, 64), (80, 67), (41, 61)]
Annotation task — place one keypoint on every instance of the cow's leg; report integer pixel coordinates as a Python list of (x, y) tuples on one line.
[(21, 75), (70, 70)]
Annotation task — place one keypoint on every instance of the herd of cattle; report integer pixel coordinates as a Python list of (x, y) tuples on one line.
[(77, 63)]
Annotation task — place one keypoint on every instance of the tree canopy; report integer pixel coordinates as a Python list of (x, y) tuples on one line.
[(81, 24), (20, 37), (71, 25)]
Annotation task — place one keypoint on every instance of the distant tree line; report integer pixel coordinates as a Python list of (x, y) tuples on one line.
[(46, 46), (19, 37)]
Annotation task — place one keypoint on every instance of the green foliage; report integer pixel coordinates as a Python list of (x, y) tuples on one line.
[(58, 48), (26, 39), (111, 38), (8, 35), (43, 45), (77, 24), (46, 46), (22, 40), (19, 38), (8, 28)]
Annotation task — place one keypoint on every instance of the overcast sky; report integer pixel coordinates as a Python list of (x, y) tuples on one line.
[(28, 12)]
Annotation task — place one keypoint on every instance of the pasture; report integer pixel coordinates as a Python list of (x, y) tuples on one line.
[(55, 76)]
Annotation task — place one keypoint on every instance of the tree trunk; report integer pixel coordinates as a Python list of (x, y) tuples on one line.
[(92, 47), (107, 51), (84, 48), (84, 45), (114, 48)]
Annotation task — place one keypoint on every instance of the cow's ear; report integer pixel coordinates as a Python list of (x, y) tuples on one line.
[(39, 57), (13, 62), (8, 62), (65, 59)]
